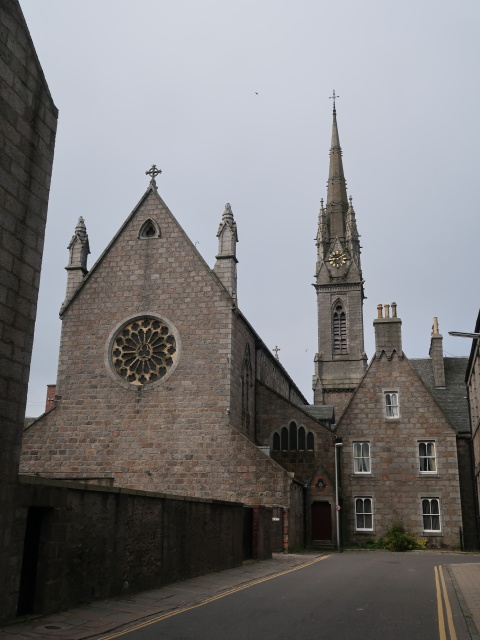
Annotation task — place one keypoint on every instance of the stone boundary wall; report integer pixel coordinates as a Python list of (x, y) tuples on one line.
[(97, 542)]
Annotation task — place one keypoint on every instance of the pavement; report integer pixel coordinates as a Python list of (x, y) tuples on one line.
[(107, 618)]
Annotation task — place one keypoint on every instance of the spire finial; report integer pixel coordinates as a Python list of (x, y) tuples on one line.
[(334, 97), (350, 199), (153, 172)]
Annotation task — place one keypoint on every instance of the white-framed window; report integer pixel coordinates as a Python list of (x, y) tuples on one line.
[(431, 514), (361, 457), (427, 457), (391, 404), (364, 514)]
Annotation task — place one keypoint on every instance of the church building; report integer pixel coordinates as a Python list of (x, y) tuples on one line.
[(163, 385)]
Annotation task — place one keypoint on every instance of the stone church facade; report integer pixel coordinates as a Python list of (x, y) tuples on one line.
[(163, 385)]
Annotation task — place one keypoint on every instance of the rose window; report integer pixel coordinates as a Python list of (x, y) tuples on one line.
[(144, 351)]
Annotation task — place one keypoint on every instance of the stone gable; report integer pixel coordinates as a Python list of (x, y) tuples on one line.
[(395, 482), (173, 435)]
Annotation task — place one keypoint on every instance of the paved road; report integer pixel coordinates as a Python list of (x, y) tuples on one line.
[(350, 596)]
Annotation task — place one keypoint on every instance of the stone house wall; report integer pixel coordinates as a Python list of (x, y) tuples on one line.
[(395, 483)]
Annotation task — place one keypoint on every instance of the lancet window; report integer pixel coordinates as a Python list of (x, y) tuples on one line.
[(339, 325)]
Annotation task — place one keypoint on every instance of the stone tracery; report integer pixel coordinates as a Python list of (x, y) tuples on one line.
[(143, 351)]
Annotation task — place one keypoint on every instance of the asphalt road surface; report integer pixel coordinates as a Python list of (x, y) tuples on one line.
[(349, 596)]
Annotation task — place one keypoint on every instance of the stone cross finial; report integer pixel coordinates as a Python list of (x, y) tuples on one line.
[(276, 349), (153, 172), (334, 97)]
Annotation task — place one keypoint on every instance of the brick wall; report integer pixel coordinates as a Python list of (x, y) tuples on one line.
[(99, 542), (28, 121)]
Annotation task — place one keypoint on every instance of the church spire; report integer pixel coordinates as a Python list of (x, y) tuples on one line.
[(337, 201), (340, 361)]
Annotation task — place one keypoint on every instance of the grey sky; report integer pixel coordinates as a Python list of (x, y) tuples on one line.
[(174, 83)]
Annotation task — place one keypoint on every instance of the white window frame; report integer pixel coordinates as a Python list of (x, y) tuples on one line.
[(363, 512), (391, 404), (361, 460), (427, 513), (427, 458)]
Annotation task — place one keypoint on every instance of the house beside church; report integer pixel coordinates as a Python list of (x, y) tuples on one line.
[(403, 445)]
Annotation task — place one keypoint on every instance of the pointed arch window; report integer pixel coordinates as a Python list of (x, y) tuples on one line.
[(310, 441), (149, 229), (276, 442), (293, 438), (247, 383), (339, 325), (301, 439)]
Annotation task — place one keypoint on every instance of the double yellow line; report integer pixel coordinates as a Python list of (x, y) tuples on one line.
[(443, 603), (163, 616)]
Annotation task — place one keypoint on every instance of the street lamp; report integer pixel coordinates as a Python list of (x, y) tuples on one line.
[(460, 334)]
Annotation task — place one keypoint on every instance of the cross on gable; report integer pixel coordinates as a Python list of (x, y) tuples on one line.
[(153, 172)]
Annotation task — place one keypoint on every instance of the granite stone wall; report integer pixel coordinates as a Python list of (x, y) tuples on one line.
[(28, 122), (395, 482), (174, 435), (99, 542)]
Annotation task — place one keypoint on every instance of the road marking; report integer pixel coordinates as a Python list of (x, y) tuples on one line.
[(441, 621), (451, 626), (207, 600), (442, 590)]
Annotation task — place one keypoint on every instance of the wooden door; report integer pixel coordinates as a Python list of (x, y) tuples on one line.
[(321, 521)]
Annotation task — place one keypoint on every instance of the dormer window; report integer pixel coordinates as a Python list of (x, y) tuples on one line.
[(149, 229)]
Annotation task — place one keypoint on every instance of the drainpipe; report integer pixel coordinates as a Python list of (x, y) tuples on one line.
[(338, 444)]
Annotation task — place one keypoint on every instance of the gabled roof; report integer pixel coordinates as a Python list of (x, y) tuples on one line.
[(452, 399), (154, 192)]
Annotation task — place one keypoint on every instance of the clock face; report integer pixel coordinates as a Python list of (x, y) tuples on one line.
[(337, 258)]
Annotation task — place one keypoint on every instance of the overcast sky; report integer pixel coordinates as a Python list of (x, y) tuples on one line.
[(175, 83)]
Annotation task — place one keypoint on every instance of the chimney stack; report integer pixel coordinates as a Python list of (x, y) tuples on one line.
[(50, 401), (436, 354), (388, 331)]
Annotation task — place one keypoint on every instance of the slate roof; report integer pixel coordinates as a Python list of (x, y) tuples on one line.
[(452, 399), (322, 412)]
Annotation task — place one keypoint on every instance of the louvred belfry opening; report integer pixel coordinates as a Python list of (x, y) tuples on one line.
[(339, 330)]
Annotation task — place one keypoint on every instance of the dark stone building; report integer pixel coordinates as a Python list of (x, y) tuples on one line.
[(28, 122)]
